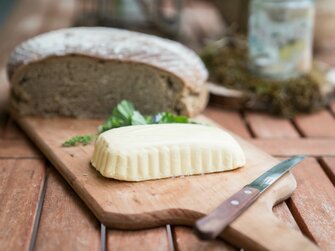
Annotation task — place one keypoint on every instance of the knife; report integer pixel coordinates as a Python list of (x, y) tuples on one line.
[(210, 226)]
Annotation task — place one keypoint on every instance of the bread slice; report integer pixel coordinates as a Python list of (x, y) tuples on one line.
[(145, 152), (84, 72)]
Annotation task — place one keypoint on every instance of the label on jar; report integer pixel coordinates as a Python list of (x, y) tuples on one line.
[(280, 38)]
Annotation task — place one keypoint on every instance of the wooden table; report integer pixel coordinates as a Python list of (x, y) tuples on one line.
[(39, 211)]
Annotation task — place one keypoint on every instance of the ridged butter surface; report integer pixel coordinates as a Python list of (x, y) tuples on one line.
[(145, 152)]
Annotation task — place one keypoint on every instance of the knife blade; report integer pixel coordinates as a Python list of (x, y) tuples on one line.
[(210, 226)]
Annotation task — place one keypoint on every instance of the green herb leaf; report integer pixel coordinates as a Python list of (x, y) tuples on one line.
[(138, 119), (167, 117), (82, 139), (124, 114), (124, 111)]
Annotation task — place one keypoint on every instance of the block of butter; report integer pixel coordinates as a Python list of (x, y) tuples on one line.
[(144, 152)]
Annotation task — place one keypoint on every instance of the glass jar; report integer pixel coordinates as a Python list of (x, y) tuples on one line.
[(280, 37)]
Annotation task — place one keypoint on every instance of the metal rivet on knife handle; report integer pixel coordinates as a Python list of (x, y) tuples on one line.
[(210, 226)]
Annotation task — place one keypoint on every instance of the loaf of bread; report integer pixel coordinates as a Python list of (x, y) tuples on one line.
[(84, 72), (145, 152)]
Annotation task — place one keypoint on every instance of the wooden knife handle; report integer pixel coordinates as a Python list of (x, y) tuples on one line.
[(210, 226)]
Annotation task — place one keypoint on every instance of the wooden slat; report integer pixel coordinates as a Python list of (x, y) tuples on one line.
[(228, 119), (313, 203), (329, 168), (263, 126), (269, 127), (320, 124), (21, 183), (143, 240), (131, 232), (186, 240), (289, 147), (18, 149), (266, 126), (65, 223), (283, 212)]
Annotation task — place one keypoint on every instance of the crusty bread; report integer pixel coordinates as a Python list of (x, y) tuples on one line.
[(85, 72)]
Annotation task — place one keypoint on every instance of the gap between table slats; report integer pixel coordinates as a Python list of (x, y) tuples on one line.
[(52, 13), (314, 147), (321, 125), (317, 125), (309, 210), (102, 237), (142, 240), (186, 240), (313, 204), (328, 165), (250, 125), (65, 222), (40, 203), (21, 186), (56, 16)]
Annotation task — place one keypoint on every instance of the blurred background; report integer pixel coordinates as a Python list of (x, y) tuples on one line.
[(192, 22)]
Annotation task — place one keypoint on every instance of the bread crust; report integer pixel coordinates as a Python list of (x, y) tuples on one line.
[(112, 44), (115, 45)]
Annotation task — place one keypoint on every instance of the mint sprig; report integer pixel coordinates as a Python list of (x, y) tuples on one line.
[(125, 114), (168, 117)]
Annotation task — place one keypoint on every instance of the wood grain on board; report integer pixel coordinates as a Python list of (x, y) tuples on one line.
[(284, 214), (319, 124), (21, 183), (33, 17), (268, 127), (294, 149), (65, 222), (175, 201), (277, 125), (140, 240), (313, 204)]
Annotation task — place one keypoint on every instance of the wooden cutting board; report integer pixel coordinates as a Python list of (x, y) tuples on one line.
[(182, 200)]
